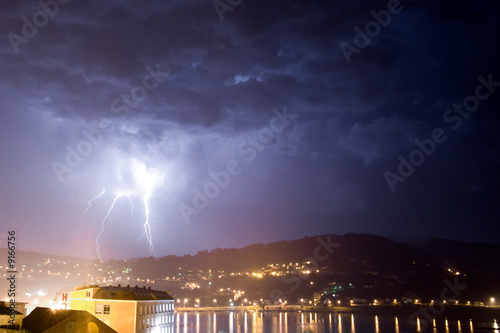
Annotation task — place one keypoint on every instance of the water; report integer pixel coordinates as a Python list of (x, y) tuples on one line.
[(301, 322)]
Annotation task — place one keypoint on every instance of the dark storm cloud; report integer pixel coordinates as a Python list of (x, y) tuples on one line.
[(322, 172)]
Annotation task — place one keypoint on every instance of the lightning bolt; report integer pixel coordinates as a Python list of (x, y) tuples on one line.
[(161, 195), (147, 226), (89, 203), (131, 205), (104, 220), (145, 182), (171, 198)]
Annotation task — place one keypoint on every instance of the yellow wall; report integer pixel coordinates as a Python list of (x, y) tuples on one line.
[(122, 313), (121, 317), (4, 320), (87, 305)]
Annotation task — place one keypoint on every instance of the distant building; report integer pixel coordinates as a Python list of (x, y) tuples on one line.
[(61, 301), (20, 307), (126, 309), (46, 320), (11, 317)]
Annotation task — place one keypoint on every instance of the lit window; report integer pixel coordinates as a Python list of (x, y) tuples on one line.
[(99, 308)]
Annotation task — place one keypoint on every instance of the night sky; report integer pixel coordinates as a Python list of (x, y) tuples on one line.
[(222, 124)]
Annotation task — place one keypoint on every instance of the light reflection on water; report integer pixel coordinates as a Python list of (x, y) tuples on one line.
[(317, 322)]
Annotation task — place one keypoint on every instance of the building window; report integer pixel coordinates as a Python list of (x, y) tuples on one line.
[(102, 308), (87, 294)]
